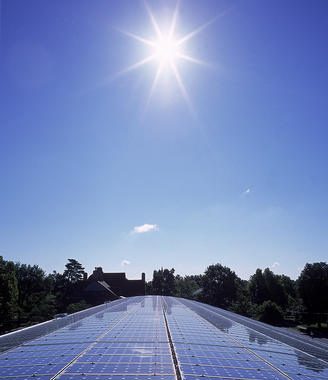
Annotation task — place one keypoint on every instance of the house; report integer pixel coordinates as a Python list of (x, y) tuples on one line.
[(102, 287)]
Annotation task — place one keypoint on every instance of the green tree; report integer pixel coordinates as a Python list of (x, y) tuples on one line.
[(257, 287), (163, 282), (8, 295), (293, 304), (149, 288), (270, 312), (267, 286), (220, 285), (78, 306), (74, 271), (289, 285), (313, 287), (43, 308), (36, 294), (68, 286), (186, 286), (242, 304), (275, 289), (32, 289), (59, 286)]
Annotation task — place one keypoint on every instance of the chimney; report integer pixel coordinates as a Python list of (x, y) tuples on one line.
[(98, 274), (143, 277), (85, 276)]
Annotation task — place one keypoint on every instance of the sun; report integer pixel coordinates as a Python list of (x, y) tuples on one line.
[(167, 49)]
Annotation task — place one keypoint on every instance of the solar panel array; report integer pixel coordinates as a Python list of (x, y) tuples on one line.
[(126, 341), (15, 338), (214, 347), (159, 338), (294, 339)]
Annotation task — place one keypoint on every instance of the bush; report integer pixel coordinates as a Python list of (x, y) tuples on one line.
[(244, 307), (270, 312), (78, 306)]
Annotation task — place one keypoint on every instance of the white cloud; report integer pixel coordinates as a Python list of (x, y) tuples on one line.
[(145, 228), (125, 263), (247, 191), (275, 265)]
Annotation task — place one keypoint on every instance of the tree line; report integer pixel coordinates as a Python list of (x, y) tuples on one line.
[(29, 295), (266, 296)]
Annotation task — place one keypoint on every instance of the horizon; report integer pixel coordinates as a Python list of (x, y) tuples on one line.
[(171, 134), (149, 276)]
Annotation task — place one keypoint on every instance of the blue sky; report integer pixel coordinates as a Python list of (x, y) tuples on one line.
[(241, 179)]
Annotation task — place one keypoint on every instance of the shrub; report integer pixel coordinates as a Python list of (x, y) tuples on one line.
[(270, 312)]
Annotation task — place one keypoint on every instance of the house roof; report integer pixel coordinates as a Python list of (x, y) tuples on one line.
[(118, 283), (96, 286)]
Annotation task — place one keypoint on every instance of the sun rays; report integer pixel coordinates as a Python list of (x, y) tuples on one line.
[(167, 50)]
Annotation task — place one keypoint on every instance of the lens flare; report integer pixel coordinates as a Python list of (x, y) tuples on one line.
[(167, 50)]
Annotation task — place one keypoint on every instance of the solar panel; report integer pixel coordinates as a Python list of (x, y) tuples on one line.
[(280, 357), (115, 377), (292, 339), (159, 338)]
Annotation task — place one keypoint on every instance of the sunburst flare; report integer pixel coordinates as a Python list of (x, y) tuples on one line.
[(167, 50)]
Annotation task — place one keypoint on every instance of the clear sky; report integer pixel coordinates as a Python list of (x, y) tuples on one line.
[(94, 168)]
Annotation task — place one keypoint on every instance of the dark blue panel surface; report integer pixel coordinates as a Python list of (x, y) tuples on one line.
[(196, 351), (29, 370), (125, 358), (203, 361), (127, 368), (139, 339), (28, 377), (116, 377), (36, 360)]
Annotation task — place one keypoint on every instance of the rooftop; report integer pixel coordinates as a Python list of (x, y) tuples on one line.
[(163, 338)]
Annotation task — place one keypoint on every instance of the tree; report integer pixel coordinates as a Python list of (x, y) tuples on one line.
[(270, 312), (78, 306), (36, 300), (32, 289), (186, 286), (275, 289), (59, 286), (74, 271), (313, 287), (242, 304), (289, 285), (220, 285), (257, 287), (267, 286), (8, 295), (70, 284), (163, 282), (43, 307)]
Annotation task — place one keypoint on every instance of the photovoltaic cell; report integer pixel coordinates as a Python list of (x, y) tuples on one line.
[(136, 358), (318, 349), (142, 337), (206, 361), (14, 370), (115, 377)]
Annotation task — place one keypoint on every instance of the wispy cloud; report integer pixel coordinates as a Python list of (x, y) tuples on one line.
[(247, 191), (275, 265), (125, 263), (145, 228)]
